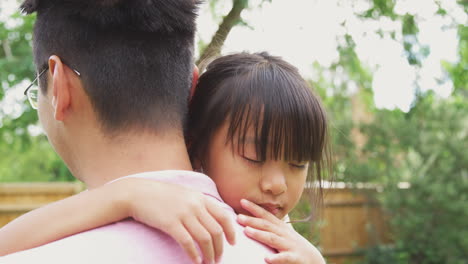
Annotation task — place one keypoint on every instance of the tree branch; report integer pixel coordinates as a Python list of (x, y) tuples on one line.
[(214, 48), (7, 49)]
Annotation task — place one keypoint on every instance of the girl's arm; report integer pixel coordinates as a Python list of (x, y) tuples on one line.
[(188, 216), (266, 228)]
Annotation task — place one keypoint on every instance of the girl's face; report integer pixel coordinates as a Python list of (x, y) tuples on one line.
[(275, 185)]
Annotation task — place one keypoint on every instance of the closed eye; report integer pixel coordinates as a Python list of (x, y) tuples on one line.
[(298, 166), (254, 161)]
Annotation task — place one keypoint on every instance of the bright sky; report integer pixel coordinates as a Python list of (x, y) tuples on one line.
[(305, 31)]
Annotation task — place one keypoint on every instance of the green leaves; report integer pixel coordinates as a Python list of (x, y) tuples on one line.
[(380, 8), (409, 26), (16, 62), (428, 146), (425, 147), (415, 52), (459, 71), (23, 157)]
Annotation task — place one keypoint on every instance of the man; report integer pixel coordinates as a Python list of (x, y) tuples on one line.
[(114, 80)]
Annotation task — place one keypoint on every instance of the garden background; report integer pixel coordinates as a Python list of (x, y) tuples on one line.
[(391, 73)]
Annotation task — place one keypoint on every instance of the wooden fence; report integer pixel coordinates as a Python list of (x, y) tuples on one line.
[(351, 219), (19, 198)]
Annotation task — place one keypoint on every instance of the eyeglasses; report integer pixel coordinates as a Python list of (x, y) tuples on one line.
[(32, 91)]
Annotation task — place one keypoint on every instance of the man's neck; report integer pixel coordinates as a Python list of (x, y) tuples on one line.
[(104, 160)]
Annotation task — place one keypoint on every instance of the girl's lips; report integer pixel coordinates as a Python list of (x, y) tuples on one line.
[(274, 209)]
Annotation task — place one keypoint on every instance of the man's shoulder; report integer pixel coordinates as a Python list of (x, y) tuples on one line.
[(123, 242), (131, 242)]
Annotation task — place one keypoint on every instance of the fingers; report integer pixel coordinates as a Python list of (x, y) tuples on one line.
[(257, 223), (206, 226), (283, 258), (258, 211), (185, 240), (216, 231), (203, 238), (270, 239), (224, 220)]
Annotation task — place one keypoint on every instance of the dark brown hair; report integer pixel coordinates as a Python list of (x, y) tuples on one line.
[(135, 56), (267, 94)]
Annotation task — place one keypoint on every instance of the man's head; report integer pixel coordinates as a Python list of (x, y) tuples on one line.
[(134, 57)]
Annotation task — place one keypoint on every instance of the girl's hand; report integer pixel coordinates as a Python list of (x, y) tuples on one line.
[(275, 233), (186, 215)]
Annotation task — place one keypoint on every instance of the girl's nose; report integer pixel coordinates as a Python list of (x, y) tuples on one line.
[(273, 182)]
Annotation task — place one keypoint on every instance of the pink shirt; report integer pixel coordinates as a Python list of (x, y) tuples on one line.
[(132, 242)]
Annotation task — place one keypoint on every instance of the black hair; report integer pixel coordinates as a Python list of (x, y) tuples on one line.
[(135, 56), (267, 94)]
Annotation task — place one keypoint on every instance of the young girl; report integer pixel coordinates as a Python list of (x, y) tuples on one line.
[(255, 128)]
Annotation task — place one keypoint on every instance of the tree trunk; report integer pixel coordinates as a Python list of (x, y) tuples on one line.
[(214, 48)]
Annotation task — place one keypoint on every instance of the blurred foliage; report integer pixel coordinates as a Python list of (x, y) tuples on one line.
[(300, 220), (380, 8), (15, 55), (23, 157), (425, 146), (384, 254)]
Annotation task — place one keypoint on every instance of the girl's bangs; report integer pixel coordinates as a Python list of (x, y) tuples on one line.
[(286, 120)]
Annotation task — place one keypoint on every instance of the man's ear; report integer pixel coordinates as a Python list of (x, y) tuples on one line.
[(61, 93), (194, 81)]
